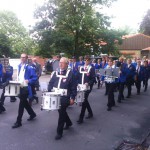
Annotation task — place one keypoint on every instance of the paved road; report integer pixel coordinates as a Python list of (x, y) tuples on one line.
[(128, 120)]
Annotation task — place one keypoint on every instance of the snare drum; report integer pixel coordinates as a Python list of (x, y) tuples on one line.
[(12, 89), (50, 101), (110, 79), (79, 97), (82, 87)]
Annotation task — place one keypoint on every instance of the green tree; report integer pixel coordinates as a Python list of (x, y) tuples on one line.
[(12, 28), (145, 24), (70, 26), (5, 47)]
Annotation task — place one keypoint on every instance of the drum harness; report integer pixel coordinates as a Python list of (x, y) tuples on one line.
[(63, 92)]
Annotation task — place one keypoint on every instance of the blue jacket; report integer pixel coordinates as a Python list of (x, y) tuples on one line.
[(68, 83), (130, 72), (1, 72), (123, 74), (30, 75), (9, 73), (140, 74), (74, 68), (81, 63), (98, 66), (146, 72)]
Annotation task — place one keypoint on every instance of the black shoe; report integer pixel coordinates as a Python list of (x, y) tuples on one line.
[(113, 104), (31, 117), (119, 101), (80, 121), (37, 100), (128, 96), (109, 109), (1, 111), (89, 116), (58, 137), (67, 126), (145, 90), (2, 108), (16, 125)]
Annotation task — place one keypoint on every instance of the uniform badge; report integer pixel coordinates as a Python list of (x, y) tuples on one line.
[(64, 80)]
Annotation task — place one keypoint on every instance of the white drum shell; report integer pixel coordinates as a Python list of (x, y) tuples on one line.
[(82, 87), (109, 80), (50, 101), (80, 97), (12, 90)]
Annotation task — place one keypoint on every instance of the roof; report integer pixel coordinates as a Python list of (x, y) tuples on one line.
[(135, 42), (146, 49)]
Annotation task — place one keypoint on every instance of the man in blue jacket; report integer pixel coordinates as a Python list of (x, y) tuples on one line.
[(27, 77), (122, 79), (67, 83)]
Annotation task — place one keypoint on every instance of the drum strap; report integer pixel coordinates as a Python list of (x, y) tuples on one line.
[(61, 77), (84, 72)]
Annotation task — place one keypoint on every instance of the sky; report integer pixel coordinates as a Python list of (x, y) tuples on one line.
[(128, 12), (124, 12)]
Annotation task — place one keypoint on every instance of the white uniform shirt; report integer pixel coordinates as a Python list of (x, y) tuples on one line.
[(21, 75)]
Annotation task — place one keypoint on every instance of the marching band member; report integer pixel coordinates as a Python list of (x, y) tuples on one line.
[(122, 79), (35, 87), (130, 76), (7, 76), (146, 75), (26, 77), (81, 62), (110, 88), (69, 84), (75, 68), (93, 64), (139, 76), (88, 80), (98, 66), (2, 72)]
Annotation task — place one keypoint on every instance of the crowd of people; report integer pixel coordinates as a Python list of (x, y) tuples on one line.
[(131, 72)]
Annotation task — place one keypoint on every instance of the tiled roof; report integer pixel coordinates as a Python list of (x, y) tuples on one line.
[(148, 49), (135, 42)]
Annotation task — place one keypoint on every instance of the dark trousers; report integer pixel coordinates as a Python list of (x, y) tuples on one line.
[(85, 105), (106, 88), (138, 85), (98, 80), (33, 93), (121, 90), (111, 101), (2, 99), (37, 84), (63, 118), (91, 86), (145, 82), (24, 104), (129, 84)]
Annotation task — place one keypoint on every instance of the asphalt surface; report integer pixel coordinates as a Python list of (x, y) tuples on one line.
[(129, 120)]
